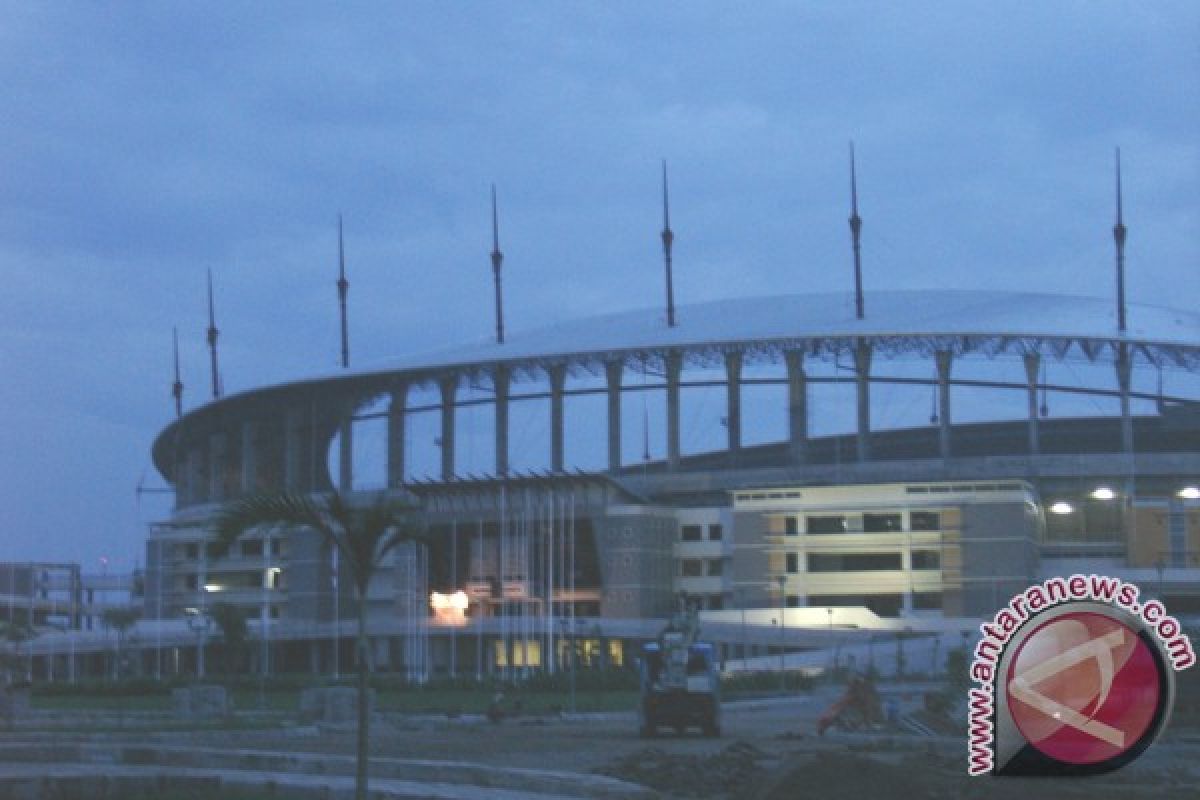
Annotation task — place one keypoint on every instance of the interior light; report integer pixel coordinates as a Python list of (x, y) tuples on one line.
[(1190, 493), (1062, 507), (213, 587), (1103, 493), (457, 600)]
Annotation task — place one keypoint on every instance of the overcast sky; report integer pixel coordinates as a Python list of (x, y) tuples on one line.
[(145, 143)]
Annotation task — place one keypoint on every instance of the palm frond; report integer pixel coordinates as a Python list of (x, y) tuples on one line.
[(268, 509)]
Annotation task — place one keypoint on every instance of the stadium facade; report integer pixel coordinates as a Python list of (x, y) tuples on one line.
[(915, 524)]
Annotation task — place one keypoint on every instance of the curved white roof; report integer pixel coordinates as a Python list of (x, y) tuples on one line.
[(934, 314)]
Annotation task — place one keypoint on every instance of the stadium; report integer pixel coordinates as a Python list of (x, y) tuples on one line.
[(800, 529)]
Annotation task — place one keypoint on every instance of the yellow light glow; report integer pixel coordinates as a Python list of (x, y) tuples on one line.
[(1104, 493), (1190, 493), (456, 600), (213, 587), (1062, 507), (449, 609)]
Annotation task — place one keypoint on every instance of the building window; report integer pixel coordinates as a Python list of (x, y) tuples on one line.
[(925, 521), (191, 550), (826, 524), (692, 533), (793, 601), (926, 559), (691, 567), (793, 563), (715, 532), (882, 523), (791, 526), (190, 581), (252, 547), (715, 567), (853, 562), (716, 602)]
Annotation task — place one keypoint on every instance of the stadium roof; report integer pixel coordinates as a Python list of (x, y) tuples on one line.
[(921, 321)]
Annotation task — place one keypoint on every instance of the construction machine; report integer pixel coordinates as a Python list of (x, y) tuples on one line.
[(680, 687)]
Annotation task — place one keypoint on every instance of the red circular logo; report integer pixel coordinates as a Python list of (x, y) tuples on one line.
[(1084, 688)]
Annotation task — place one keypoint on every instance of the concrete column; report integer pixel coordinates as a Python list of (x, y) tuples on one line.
[(612, 372), (673, 363), (1033, 363), (862, 371), (345, 480), (558, 383), (944, 359), (291, 449), (1124, 380), (395, 436), (249, 457), (797, 383), (733, 400), (500, 382), (449, 387)]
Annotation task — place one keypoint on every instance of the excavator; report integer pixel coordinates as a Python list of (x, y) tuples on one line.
[(680, 686), (857, 708)]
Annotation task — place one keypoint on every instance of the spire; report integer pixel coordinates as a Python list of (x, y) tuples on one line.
[(668, 238), (497, 263), (645, 430), (177, 386), (1119, 238), (212, 341), (343, 286), (855, 231)]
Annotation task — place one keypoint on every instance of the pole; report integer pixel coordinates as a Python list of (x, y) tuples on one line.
[(337, 613), (782, 631), (742, 603), (265, 616), (479, 610), (203, 609)]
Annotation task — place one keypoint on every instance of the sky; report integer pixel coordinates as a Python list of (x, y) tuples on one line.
[(145, 143)]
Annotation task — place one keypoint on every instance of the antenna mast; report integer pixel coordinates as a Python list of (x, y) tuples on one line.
[(1119, 238), (177, 386), (343, 286), (497, 263), (855, 231), (212, 341), (668, 238)]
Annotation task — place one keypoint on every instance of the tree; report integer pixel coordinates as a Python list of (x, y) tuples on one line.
[(120, 619), (15, 634), (230, 620), (363, 537)]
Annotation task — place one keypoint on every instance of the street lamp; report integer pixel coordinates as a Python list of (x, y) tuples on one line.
[(569, 636), (741, 591), (200, 623), (833, 665), (782, 580)]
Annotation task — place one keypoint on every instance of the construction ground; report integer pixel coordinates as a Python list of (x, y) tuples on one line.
[(768, 749)]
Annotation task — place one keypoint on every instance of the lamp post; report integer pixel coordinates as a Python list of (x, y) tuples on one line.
[(569, 636), (832, 665), (782, 580), (200, 623), (742, 602)]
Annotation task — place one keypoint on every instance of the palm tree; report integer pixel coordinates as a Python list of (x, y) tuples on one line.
[(120, 619), (230, 620), (363, 537)]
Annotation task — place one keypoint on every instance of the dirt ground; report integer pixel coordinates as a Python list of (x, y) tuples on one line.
[(768, 750)]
